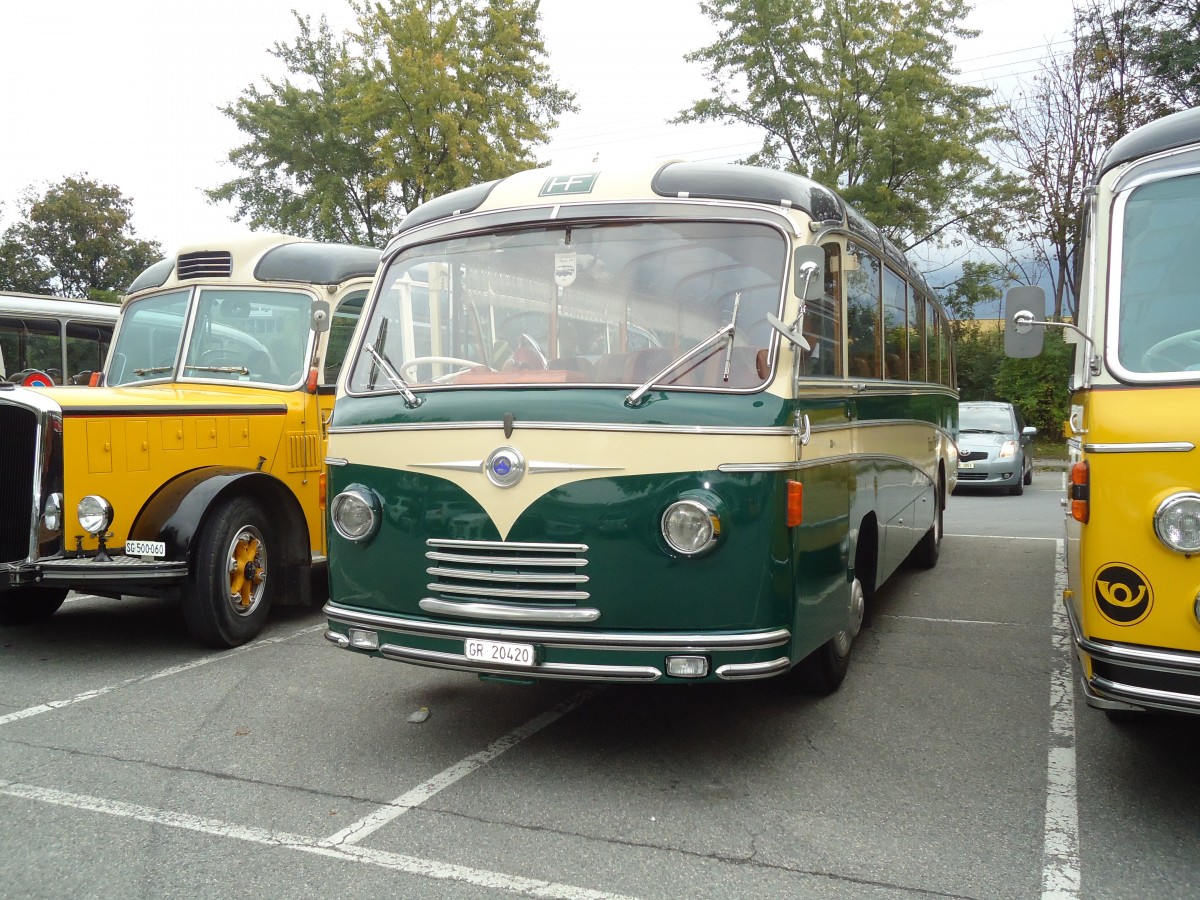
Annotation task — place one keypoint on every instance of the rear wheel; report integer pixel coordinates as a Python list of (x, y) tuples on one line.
[(228, 596), (28, 604)]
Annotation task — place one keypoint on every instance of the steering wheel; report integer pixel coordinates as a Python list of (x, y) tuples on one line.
[(533, 359), (1178, 351), (408, 369)]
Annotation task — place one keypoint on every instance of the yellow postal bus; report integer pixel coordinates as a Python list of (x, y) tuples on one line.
[(196, 470), (1133, 526), (670, 424)]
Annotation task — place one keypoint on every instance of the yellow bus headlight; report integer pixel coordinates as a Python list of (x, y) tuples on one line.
[(95, 514), (1177, 522)]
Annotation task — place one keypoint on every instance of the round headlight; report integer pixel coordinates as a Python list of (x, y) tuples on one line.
[(52, 517), (355, 514), (95, 514), (1177, 522), (690, 527)]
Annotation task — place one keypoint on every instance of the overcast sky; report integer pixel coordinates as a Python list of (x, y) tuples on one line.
[(127, 92)]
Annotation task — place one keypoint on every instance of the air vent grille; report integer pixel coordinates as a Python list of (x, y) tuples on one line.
[(204, 264)]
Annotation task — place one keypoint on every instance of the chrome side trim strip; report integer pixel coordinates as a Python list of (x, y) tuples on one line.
[(747, 671), (1150, 447), (575, 639), (574, 672), (760, 467), (1179, 662), (767, 430), (498, 612)]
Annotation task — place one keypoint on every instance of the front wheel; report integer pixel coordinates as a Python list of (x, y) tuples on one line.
[(28, 604), (929, 548), (227, 598), (823, 671)]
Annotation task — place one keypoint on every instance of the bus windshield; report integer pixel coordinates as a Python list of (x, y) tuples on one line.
[(255, 336), (1159, 313), (596, 304)]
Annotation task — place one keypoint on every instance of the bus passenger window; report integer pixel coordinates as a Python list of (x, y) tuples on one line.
[(895, 329), (862, 310)]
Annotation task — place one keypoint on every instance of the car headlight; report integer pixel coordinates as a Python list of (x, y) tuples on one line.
[(356, 513), (690, 527), (52, 518), (95, 514), (1007, 449), (1177, 522)]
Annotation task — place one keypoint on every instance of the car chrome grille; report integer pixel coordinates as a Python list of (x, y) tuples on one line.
[(509, 572), (971, 455), (18, 455)]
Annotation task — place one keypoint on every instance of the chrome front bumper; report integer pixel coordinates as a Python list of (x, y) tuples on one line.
[(1128, 676), (605, 642)]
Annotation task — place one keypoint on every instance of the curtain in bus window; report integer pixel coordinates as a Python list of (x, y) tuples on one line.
[(895, 328), (862, 311), (1160, 271)]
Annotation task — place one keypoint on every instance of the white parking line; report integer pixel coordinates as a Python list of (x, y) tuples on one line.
[(356, 831), (1060, 856), (1001, 537), (139, 679), (412, 865)]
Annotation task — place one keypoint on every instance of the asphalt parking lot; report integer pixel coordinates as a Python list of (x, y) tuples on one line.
[(956, 761)]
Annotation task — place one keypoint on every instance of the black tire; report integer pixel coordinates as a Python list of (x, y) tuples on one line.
[(28, 604), (823, 671), (1029, 474), (1017, 489), (929, 548), (229, 593)]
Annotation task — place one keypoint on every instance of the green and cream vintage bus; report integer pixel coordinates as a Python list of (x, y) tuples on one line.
[(672, 424)]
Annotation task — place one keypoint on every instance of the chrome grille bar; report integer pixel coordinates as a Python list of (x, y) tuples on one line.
[(514, 572)]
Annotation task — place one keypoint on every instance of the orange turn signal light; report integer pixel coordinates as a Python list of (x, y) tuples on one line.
[(795, 503)]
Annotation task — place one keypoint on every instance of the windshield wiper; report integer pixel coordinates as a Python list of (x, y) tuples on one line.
[(635, 397), (239, 370), (411, 400), (152, 370)]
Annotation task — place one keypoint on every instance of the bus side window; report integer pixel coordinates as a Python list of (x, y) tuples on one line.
[(341, 327), (823, 321), (87, 346), (862, 311), (31, 345), (895, 328)]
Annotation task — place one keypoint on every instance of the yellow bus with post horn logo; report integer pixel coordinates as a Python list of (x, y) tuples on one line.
[(664, 424), (1133, 513)]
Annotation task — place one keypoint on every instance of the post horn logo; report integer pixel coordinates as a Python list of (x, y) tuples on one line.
[(1123, 594)]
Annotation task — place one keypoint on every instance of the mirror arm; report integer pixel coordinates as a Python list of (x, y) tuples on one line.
[(1024, 322)]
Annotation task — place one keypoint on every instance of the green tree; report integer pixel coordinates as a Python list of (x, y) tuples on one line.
[(857, 94), (307, 169), (75, 240), (1038, 386), (427, 96)]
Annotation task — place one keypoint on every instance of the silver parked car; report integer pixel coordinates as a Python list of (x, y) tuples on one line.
[(994, 446)]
